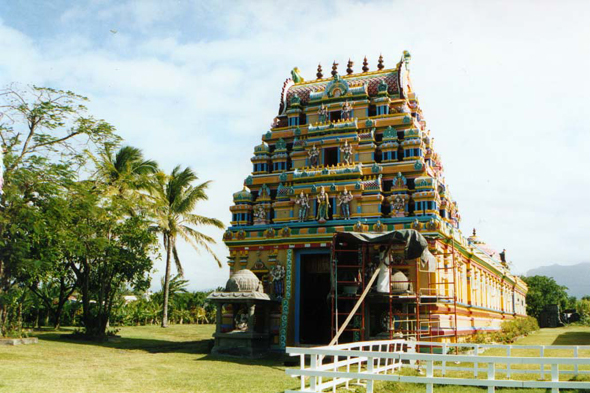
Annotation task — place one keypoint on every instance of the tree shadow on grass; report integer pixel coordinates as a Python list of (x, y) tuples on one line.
[(272, 360), (136, 344), (573, 338)]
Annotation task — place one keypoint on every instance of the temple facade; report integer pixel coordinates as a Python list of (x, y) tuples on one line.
[(352, 152)]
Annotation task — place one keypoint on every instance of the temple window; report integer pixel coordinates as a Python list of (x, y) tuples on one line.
[(330, 156), (372, 110), (335, 115), (293, 121), (302, 118), (378, 156)]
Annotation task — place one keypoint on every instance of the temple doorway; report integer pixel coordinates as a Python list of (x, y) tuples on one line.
[(315, 306)]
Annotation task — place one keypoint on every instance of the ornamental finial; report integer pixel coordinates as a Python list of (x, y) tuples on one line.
[(365, 65), (380, 63), (334, 69), (349, 67), (319, 74)]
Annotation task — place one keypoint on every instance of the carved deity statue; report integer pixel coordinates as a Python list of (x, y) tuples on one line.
[(398, 206), (277, 274), (314, 156), (346, 111), (344, 200), (323, 115), (259, 215), (303, 202), (323, 205), (346, 151)]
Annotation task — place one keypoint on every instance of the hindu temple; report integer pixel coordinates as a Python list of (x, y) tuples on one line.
[(348, 223)]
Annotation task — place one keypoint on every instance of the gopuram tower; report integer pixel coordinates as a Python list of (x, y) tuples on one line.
[(352, 152)]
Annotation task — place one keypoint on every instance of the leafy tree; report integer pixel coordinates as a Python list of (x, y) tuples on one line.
[(544, 291), (108, 251), (175, 198), (44, 134)]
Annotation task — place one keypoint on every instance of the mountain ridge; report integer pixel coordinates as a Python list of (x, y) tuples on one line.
[(575, 277)]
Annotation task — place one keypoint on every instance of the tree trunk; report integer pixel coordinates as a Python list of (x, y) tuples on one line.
[(166, 289)]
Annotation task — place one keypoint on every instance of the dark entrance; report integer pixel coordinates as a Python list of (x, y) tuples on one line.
[(315, 307)]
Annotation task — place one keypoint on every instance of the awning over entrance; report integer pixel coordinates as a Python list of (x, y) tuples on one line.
[(416, 246)]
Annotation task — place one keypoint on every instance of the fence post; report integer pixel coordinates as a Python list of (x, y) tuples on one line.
[(508, 365), (302, 361), (555, 376), (542, 354), (491, 376), (444, 363), (370, 372), (313, 380), (320, 362), (475, 364), (429, 374), (576, 356)]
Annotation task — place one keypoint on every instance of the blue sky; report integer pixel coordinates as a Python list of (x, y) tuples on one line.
[(503, 84)]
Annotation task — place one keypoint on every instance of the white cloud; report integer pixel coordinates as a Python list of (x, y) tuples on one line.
[(503, 86)]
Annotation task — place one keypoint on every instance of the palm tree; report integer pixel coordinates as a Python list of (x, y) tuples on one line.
[(175, 199), (126, 171)]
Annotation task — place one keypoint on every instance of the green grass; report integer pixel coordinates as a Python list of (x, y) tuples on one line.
[(146, 359), (150, 359)]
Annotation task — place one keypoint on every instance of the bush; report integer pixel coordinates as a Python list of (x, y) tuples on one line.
[(511, 330)]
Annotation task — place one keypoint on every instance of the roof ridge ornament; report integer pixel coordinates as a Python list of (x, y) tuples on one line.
[(349, 67), (319, 74), (334, 69), (365, 65), (380, 65)]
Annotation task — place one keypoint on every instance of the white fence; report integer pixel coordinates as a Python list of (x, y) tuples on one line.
[(334, 366)]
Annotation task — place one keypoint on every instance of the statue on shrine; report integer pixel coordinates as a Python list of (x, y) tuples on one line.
[(314, 156), (260, 215), (303, 202), (277, 274), (323, 206), (346, 151), (323, 115), (346, 111), (344, 200), (398, 206)]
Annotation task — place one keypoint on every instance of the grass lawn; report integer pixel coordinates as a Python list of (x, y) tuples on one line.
[(147, 359), (150, 359)]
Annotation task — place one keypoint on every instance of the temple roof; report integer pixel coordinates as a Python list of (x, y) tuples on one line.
[(371, 79)]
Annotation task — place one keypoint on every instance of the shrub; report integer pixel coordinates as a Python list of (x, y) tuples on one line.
[(511, 330)]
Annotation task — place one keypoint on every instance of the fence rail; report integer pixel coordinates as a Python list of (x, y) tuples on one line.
[(366, 362)]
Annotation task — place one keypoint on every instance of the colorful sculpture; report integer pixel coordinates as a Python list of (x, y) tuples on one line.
[(323, 206), (344, 200), (398, 206), (346, 111), (260, 215), (303, 202), (323, 115), (314, 156), (346, 156), (277, 275)]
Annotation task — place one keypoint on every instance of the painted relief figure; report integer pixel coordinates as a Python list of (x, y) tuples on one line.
[(346, 152), (323, 205), (344, 200), (314, 156), (323, 115), (346, 111), (277, 274), (398, 206), (303, 202)]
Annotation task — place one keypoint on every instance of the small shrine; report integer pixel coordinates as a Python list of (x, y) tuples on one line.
[(243, 317)]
